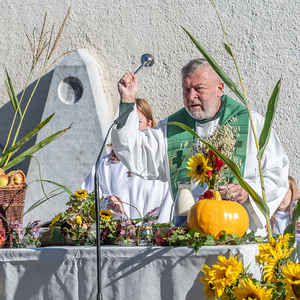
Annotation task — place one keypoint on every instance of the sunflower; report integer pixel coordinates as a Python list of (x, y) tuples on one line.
[(249, 290), (198, 166), (209, 290), (105, 214), (292, 280), (56, 218), (274, 262), (81, 193), (264, 249), (225, 273)]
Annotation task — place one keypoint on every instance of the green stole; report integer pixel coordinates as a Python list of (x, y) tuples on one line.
[(180, 141)]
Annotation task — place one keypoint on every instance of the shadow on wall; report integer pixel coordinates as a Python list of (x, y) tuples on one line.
[(33, 117)]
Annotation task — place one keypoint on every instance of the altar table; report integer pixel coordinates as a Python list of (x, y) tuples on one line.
[(144, 273)]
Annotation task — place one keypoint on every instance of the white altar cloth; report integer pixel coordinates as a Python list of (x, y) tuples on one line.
[(127, 272)]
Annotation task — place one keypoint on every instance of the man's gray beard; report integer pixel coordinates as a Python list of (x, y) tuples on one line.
[(202, 115)]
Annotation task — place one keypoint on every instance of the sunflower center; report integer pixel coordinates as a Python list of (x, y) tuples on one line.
[(199, 169)]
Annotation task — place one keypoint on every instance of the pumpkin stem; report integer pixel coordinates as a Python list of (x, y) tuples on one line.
[(217, 196)]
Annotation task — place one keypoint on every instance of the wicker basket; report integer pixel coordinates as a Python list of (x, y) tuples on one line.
[(12, 201)]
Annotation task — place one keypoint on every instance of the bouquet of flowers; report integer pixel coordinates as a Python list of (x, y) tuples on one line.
[(228, 278), (206, 166), (140, 230), (22, 236), (75, 223)]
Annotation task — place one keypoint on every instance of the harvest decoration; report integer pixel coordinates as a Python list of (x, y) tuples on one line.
[(213, 216)]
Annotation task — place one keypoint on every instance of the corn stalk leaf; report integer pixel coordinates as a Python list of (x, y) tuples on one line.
[(29, 152), (266, 131), (227, 49), (16, 147), (12, 95), (291, 228), (233, 167), (218, 69)]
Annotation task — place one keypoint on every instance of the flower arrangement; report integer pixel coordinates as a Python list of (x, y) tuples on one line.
[(135, 231), (206, 166), (23, 236), (74, 224), (228, 278), (77, 223)]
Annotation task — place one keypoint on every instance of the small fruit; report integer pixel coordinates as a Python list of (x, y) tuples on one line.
[(2, 172), (161, 235), (181, 229), (2, 237), (3, 180), (18, 180)]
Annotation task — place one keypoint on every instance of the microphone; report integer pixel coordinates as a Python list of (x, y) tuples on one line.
[(97, 205)]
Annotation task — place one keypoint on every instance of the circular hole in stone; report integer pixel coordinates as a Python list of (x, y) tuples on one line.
[(70, 90)]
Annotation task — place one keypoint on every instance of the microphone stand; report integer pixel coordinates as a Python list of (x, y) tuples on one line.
[(97, 206)]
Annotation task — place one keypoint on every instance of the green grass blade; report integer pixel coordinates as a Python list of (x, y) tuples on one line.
[(29, 152), (41, 201), (59, 185), (13, 97), (271, 109), (233, 167), (219, 70), (16, 147)]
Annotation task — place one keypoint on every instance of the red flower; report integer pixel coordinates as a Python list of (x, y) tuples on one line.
[(213, 155), (209, 174), (219, 164), (208, 194)]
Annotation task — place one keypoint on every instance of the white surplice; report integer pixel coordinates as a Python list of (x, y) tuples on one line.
[(142, 195), (145, 153)]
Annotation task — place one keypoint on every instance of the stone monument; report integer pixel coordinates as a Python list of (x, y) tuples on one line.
[(76, 97)]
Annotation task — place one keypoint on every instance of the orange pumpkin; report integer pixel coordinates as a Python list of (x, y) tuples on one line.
[(211, 216)]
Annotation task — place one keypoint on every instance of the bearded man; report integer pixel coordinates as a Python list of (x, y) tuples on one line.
[(160, 153)]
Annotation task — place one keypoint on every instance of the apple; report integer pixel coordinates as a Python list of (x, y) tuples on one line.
[(3, 180), (161, 235), (2, 237), (18, 179), (2, 172)]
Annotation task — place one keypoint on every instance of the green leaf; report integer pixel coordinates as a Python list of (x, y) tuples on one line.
[(233, 167), (219, 70), (28, 153), (271, 109), (12, 95), (59, 185), (291, 228), (56, 235), (227, 49), (16, 147)]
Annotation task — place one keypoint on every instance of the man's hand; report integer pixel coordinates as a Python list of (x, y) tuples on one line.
[(115, 204), (233, 192), (128, 87)]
